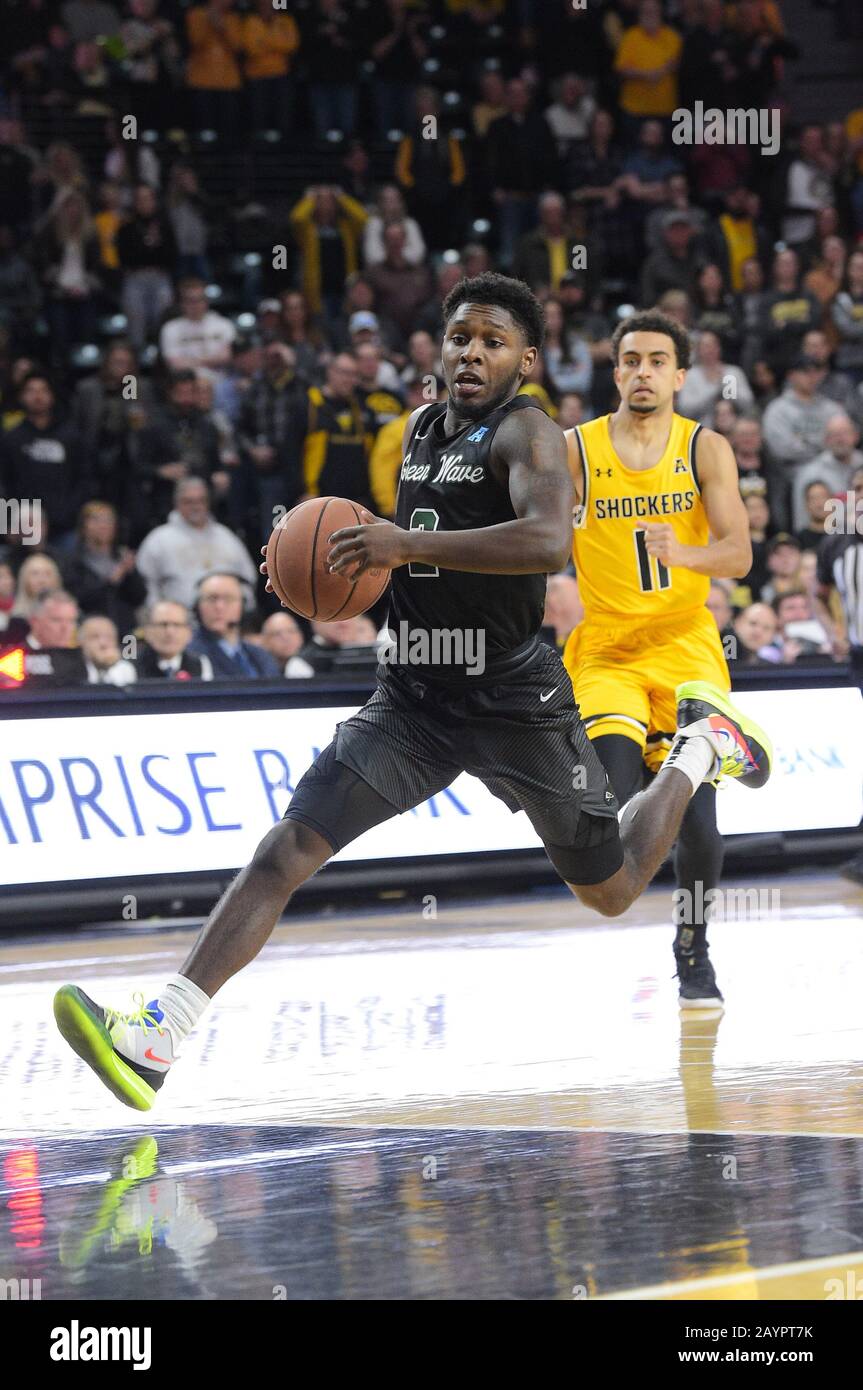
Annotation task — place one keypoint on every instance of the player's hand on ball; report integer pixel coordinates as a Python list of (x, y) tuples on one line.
[(379, 545), (662, 542), (264, 571)]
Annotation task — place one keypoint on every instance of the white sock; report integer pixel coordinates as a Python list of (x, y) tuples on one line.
[(182, 1003), (693, 755)]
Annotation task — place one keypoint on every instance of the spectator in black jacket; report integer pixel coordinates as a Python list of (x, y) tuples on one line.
[(147, 252), (164, 653), (100, 573), (522, 161), (51, 656), (271, 432), (180, 441), (42, 458), (105, 413)]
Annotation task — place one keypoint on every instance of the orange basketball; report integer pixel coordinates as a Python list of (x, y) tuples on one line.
[(297, 562)]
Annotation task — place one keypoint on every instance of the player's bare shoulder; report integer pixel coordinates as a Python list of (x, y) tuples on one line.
[(530, 438)]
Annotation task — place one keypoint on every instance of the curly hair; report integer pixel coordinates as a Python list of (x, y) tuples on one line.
[(654, 321), (504, 293)]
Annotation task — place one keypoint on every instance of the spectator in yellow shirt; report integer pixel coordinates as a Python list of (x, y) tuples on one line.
[(387, 451), (328, 226), (647, 62), (215, 35), (270, 39)]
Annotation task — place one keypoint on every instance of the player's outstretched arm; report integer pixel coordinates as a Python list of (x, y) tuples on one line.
[(530, 454), (728, 554)]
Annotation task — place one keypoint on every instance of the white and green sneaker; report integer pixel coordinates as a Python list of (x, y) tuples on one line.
[(742, 748), (130, 1052)]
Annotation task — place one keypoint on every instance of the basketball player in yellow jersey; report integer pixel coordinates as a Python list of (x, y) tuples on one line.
[(659, 513)]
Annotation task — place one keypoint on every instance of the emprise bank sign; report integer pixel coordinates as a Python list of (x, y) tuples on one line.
[(100, 797)]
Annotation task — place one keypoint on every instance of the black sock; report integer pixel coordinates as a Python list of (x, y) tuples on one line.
[(698, 860)]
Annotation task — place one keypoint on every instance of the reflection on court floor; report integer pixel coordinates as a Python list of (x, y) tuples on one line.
[(502, 1102)]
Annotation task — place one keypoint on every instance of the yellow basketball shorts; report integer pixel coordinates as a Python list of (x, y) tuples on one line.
[(624, 674)]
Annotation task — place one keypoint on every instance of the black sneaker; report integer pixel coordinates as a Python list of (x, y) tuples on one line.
[(698, 987)]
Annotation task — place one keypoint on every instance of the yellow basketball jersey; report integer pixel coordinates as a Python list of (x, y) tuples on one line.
[(616, 575)]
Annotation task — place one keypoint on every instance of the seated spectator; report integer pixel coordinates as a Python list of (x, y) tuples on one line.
[(283, 638), (545, 255), (571, 410), (748, 446), (564, 609), (12, 629), (38, 575), (755, 629), (339, 434), (43, 457), (726, 415), (710, 380), (363, 328), (758, 512), (847, 316), (815, 498), (430, 319), (147, 252), (836, 386), (787, 313), (233, 386), (198, 337), (719, 604), (271, 431), (51, 656), (783, 562), (568, 361), (795, 424), (715, 311), (164, 653), (423, 358), (100, 647), (834, 466), (303, 333), (743, 238), (219, 605), (378, 384), (105, 413), (329, 638), (390, 208), (174, 557), (765, 385), (99, 572), (800, 635), (571, 113), (388, 452), (647, 171), (675, 198), (827, 276), (675, 264), (593, 175), (179, 441)]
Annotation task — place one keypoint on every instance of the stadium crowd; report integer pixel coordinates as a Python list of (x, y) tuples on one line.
[(180, 358)]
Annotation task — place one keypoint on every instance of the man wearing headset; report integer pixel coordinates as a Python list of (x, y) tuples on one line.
[(219, 609)]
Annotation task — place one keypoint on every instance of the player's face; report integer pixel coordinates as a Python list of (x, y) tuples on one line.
[(484, 356), (647, 374)]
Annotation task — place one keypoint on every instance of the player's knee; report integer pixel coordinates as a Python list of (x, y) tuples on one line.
[(289, 854), (609, 899)]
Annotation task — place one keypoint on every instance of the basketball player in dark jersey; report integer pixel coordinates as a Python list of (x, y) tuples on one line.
[(484, 513)]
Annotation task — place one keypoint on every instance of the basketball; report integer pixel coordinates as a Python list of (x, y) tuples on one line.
[(297, 562)]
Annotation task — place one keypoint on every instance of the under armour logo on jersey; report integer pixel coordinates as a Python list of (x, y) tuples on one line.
[(599, 472), (679, 466), (477, 435)]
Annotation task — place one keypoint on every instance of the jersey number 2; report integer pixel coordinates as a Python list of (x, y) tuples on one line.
[(645, 573), (423, 519)]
